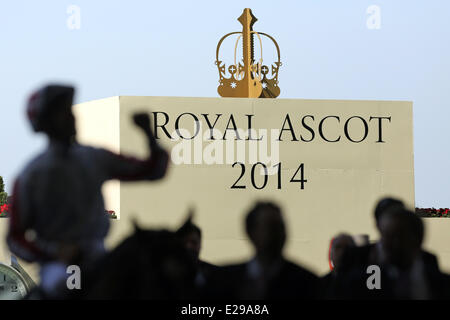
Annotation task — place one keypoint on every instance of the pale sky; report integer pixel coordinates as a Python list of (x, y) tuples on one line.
[(167, 48)]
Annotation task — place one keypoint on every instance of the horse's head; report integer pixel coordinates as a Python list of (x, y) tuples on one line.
[(162, 262)]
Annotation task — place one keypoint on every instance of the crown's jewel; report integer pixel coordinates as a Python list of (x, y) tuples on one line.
[(248, 78)]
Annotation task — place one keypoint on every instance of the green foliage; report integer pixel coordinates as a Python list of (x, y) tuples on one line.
[(3, 194)]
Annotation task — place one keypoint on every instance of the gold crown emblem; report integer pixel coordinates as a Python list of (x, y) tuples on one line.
[(248, 78)]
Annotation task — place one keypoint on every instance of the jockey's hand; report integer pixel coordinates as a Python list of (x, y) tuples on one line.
[(142, 120)]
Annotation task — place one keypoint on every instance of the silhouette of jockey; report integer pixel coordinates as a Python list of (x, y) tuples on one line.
[(58, 216)]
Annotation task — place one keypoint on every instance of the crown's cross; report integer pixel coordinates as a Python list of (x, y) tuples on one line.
[(248, 79)]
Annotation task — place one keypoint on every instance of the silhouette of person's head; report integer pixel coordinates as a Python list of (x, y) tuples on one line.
[(385, 205), (339, 244), (266, 230), (49, 110), (402, 234), (191, 238)]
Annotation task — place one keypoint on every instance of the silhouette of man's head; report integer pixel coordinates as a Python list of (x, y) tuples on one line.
[(50, 111), (191, 237), (402, 234), (338, 246), (385, 205), (266, 229)]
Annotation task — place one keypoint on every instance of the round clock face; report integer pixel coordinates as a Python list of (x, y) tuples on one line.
[(12, 285)]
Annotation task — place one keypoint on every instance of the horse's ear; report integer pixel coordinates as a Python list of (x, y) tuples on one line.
[(189, 218), (137, 229)]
